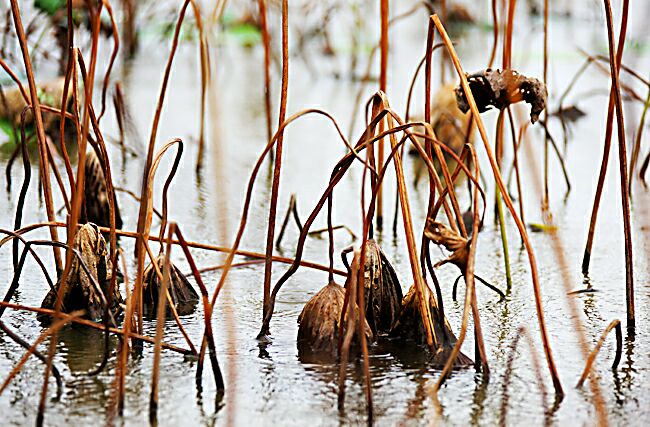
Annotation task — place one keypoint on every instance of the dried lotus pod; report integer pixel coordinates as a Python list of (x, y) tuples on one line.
[(49, 93), (449, 122), (80, 292), (501, 88), (319, 328), (450, 126), (458, 14), (409, 326), (181, 291), (96, 194), (383, 293)]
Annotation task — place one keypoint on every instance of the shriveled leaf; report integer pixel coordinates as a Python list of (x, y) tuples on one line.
[(96, 194), (501, 88), (440, 234)]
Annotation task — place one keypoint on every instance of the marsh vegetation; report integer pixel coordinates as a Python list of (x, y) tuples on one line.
[(338, 212)]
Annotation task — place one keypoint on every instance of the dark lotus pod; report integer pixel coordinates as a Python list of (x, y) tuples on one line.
[(409, 326), (80, 292), (96, 194), (458, 14), (500, 88), (319, 328), (181, 291), (383, 293)]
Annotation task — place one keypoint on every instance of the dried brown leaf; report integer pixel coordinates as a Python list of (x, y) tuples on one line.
[(501, 88)]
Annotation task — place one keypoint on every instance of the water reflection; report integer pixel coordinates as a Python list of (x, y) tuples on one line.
[(623, 378), (478, 398), (83, 348)]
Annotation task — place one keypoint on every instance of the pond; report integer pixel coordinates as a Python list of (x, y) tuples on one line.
[(266, 383)]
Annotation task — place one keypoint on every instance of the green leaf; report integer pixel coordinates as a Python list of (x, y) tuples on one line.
[(7, 127), (542, 228), (49, 6), (246, 34), (44, 97)]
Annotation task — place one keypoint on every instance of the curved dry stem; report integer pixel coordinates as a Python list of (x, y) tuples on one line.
[(495, 32), (470, 293), (267, 67), (637, 143), (614, 324), (197, 245), (111, 62), (40, 129), (207, 317), (275, 185), (622, 159), (160, 323), (33, 253), (550, 138), (93, 325), (33, 349), (644, 168), (168, 181), (615, 66), (521, 227)]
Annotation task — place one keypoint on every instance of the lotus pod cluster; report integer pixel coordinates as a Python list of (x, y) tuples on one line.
[(81, 291), (182, 294), (386, 312)]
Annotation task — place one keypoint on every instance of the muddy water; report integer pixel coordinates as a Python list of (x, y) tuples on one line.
[(269, 385)]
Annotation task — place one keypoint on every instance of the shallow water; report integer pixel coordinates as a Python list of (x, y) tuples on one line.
[(269, 385)]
